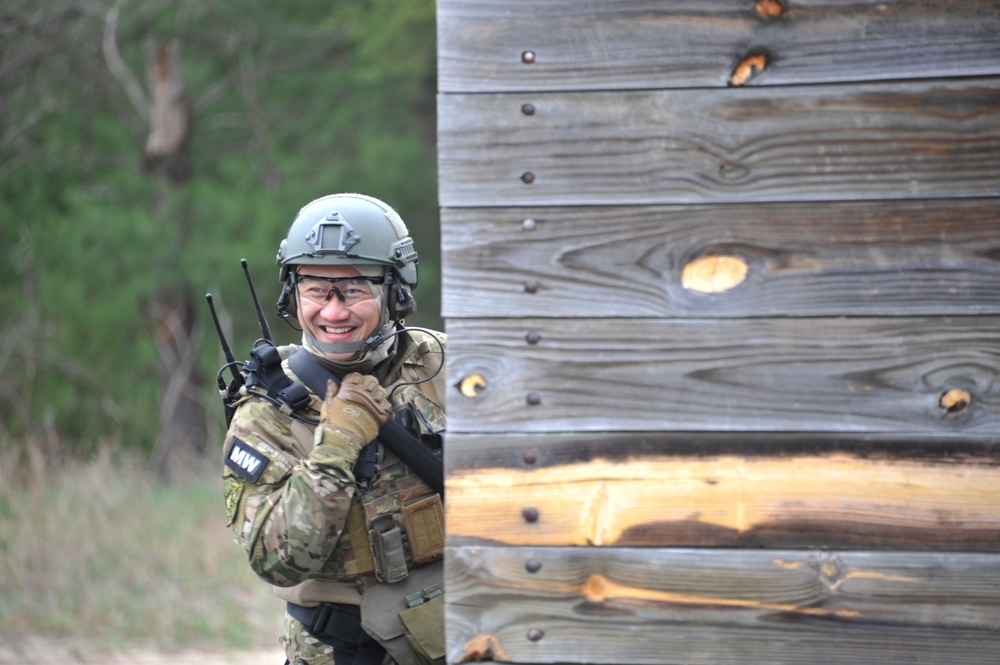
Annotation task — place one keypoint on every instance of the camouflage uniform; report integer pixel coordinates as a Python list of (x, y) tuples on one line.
[(302, 521)]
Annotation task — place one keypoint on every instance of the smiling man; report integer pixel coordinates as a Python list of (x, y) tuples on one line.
[(343, 525), (337, 305)]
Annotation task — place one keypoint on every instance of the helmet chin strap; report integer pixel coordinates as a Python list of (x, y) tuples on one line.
[(373, 342)]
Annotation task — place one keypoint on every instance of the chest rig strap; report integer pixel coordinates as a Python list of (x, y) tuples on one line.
[(264, 373), (414, 454)]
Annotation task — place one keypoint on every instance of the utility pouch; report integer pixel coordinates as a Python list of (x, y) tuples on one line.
[(358, 534), (387, 549), (408, 618), (423, 521), (424, 624)]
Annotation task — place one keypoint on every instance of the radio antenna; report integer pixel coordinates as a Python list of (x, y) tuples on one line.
[(264, 330), (226, 351)]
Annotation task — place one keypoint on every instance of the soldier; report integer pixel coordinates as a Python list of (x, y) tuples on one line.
[(348, 533)]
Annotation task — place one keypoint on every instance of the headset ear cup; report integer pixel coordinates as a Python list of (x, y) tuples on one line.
[(401, 302), (409, 306), (285, 305)]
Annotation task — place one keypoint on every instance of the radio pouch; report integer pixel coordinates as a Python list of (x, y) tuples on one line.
[(407, 618)]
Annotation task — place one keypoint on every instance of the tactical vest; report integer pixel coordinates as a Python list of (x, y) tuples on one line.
[(397, 523)]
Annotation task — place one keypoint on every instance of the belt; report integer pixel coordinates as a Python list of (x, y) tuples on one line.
[(339, 626)]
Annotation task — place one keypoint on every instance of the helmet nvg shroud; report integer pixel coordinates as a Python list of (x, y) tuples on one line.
[(349, 229)]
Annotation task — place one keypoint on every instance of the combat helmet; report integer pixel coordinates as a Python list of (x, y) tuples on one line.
[(355, 230), (349, 229)]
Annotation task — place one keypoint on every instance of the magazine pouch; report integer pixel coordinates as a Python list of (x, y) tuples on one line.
[(407, 617)]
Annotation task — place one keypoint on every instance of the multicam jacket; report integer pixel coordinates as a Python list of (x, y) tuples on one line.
[(296, 509)]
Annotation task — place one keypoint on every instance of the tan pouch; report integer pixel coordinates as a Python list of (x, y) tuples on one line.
[(425, 630), (358, 534), (423, 521), (383, 605)]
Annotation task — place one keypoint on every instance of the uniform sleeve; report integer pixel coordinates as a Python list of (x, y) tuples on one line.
[(286, 511)]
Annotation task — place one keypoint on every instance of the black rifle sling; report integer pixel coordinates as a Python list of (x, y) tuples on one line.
[(414, 454)]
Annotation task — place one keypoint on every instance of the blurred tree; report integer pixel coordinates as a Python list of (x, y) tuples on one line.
[(283, 103)]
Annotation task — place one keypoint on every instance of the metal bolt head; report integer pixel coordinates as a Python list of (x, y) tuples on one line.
[(528, 109), (530, 515), (533, 338), (533, 399), (528, 224), (535, 634), (527, 177), (531, 286), (532, 565), (529, 457), (528, 57)]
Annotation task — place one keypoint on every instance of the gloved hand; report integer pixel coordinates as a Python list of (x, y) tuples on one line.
[(352, 415)]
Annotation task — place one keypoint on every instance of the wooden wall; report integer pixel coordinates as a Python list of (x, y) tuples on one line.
[(722, 288)]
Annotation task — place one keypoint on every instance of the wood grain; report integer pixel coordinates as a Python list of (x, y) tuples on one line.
[(639, 44), (804, 259), (935, 139), (795, 464), (656, 490), (781, 374), (638, 606)]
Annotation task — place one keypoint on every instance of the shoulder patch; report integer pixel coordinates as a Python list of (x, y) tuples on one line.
[(245, 461)]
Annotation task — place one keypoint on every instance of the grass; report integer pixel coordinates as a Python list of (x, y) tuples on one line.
[(102, 552)]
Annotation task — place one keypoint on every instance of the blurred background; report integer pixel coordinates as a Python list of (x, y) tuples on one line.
[(146, 146)]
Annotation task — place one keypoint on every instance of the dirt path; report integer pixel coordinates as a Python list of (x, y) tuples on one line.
[(52, 651)]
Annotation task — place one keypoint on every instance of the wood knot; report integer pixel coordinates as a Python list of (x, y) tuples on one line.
[(595, 588), (472, 385), (749, 67), (955, 400), (483, 647), (769, 8), (714, 274)]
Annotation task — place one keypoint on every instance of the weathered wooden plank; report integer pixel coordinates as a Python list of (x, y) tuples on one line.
[(595, 44), (808, 143), (818, 374), (803, 259), (661, 490), (467, 452), (639, 606)]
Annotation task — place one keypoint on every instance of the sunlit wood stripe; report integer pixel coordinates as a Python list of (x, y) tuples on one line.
[(776, 499)]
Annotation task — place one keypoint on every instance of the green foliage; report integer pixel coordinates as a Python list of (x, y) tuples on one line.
[(290, 102)]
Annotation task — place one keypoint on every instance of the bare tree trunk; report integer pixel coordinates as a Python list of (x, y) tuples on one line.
[(182, 414), (167, 151)]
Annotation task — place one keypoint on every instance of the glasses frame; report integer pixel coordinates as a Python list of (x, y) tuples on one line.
[(332, 281)]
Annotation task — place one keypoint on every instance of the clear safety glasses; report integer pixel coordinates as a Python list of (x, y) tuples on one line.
[(349, 290)]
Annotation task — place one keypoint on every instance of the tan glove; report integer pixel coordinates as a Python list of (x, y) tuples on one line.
[(352, 415)]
